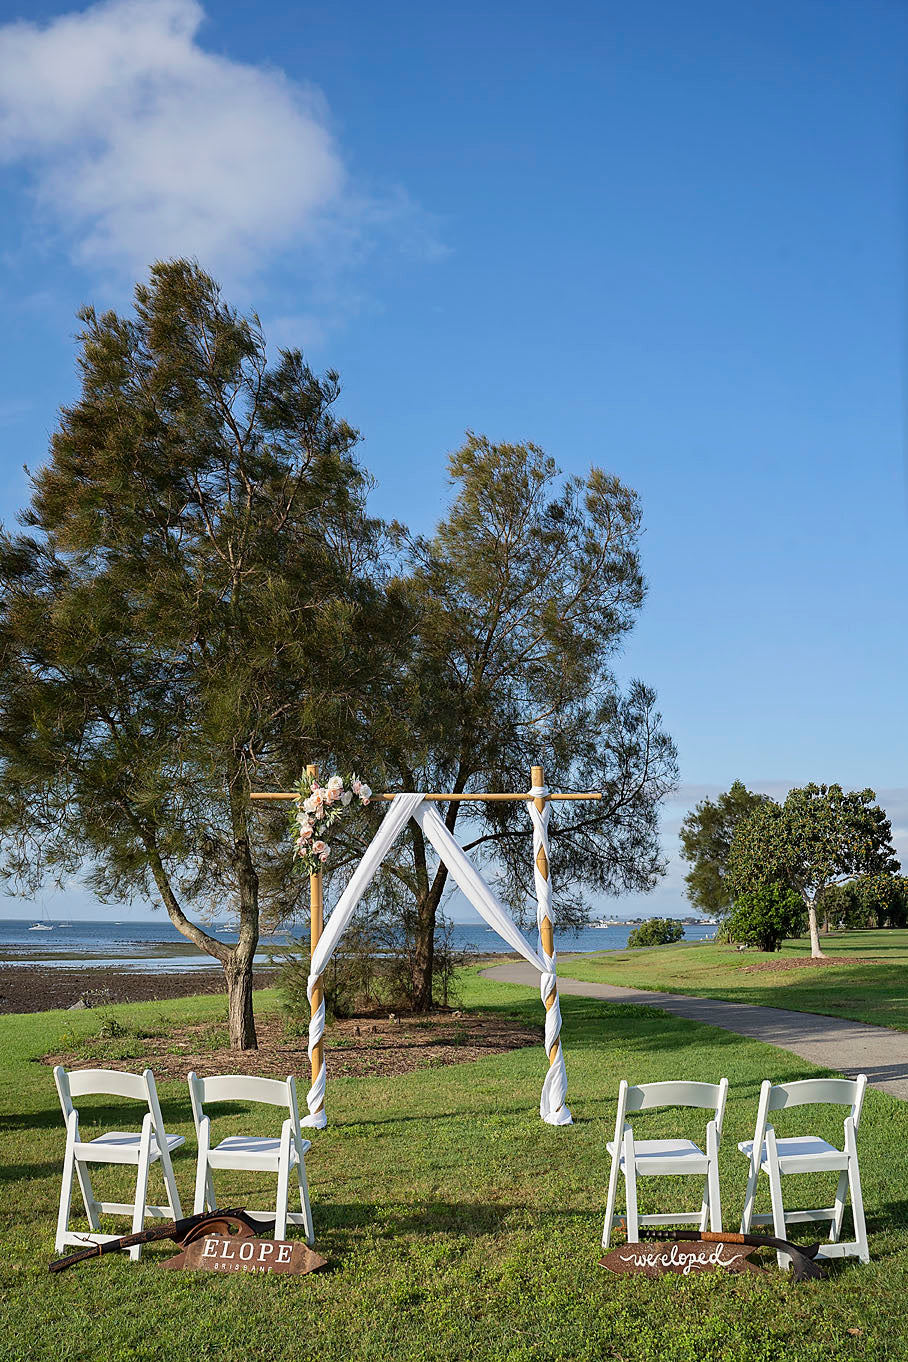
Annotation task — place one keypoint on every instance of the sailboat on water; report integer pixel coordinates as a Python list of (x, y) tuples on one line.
[(44, 925)]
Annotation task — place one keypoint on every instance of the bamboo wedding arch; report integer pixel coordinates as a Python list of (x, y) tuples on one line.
[(419, 806)]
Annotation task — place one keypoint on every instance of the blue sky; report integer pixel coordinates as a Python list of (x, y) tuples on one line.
[(667, 239)]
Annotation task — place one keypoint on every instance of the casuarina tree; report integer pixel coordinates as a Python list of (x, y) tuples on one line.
[(819, 836), (521, 599), (189, 598)]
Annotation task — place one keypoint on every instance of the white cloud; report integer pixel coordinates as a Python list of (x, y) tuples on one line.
[(141, 145)]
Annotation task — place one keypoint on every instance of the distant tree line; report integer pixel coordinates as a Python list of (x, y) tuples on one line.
[(770, 870)]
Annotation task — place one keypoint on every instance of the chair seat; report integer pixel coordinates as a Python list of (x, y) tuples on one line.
[(252, 1151), (656, 1157), (121, 1146), (802, 1154)]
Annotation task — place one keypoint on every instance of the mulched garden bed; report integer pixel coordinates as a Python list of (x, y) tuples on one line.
[(803, 962), (375, 1046)]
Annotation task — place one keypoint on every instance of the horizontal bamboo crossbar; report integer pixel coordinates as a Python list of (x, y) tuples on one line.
[(485, 798)]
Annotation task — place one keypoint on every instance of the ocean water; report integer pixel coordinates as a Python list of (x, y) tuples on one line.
[(156, 945)]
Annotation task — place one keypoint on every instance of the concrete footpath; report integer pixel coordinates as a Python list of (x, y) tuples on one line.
[(849, 1047)]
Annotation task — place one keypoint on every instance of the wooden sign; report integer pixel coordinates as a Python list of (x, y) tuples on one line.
[(236, 1253), (684, 1257)]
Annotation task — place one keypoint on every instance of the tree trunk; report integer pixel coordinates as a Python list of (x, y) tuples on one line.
[(239, 969), (815, 952), (424, 956), (428, 900), (421, 968), (241, 1020)]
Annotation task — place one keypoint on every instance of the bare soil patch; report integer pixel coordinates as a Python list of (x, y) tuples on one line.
[(375, 1046), (802, 962)]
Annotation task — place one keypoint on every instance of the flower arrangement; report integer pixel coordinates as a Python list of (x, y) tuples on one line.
[(317, 807)]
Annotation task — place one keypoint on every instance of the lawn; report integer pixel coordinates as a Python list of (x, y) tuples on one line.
[(872, 989), (457, 1225)]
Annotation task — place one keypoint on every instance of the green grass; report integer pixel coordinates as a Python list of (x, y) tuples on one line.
[(874, 990), (457, 1225)]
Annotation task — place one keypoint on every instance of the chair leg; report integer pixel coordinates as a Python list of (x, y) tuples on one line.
[(88, 1195), (775, 1197), (857, 1196), (305, 1205), (66, 1187), (138, 1214), (750, 1195), (283, 1185), (170, 1183), (204, 1187), (704, 1205), (630, 1186), (715, 1197), (610, 1202), (841, 1192)]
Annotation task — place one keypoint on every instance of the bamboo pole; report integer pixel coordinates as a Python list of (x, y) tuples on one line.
[(316, 927), (484, 798), (546, 929)]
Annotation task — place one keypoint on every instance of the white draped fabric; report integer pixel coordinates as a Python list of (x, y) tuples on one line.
[(484, 900), (552, 1105)]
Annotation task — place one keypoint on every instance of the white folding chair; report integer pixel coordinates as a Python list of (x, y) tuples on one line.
[(808, 1154), (254, 1153), (142, 1148), (658, 1158)]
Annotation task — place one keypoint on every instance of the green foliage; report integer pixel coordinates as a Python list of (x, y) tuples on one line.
[(818, 837), (706, 838), (187, 608), (200, 600), (869, 901), (656, 931), (522, 598), (764, 917), (373, 966)]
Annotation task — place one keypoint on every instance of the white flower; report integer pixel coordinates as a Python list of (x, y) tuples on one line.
[(346, 798), (335, 783), (305, 832), (314, 803), (365, 793)]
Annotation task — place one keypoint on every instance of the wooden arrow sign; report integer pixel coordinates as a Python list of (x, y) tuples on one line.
[(237, 1253), (685, 1258)]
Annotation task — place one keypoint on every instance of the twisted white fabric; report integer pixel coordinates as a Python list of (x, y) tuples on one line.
[(394, 821), (552, 1105), (486, 903)]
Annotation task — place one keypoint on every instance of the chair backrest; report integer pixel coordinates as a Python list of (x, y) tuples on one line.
[(842, 1092), (274, 1092), (649, 1096), (76, 1083)]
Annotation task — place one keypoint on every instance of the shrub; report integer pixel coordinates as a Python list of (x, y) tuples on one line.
[(764, 917), (371, 967), (656, 931)]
